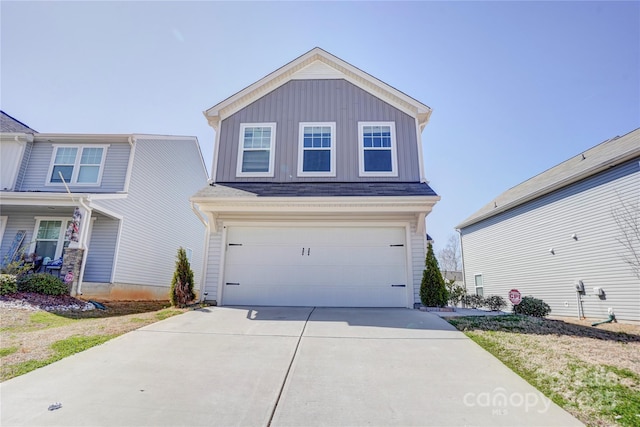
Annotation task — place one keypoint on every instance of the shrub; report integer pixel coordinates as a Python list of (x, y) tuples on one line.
[(182, 283), (495, 302), (455, 292), (8, 284), (42, 283), (531, 306), (473, 301), (433, 292)]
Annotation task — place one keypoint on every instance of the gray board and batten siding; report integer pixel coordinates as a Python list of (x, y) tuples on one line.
[(329, 100), (512, 249), (39, 159)]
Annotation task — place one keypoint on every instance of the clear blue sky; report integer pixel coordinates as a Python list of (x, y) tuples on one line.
[(516, 87)]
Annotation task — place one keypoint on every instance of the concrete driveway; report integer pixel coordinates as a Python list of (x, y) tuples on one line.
[(225, 366)]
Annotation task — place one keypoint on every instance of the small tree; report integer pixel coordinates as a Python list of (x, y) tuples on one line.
[(433, 292), (182, 282)]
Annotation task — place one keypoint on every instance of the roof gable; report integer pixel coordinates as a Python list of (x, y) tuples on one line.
[(592, 161), (318, 64)]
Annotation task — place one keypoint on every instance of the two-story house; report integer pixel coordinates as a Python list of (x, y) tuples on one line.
[(318, 193), (130, 194)]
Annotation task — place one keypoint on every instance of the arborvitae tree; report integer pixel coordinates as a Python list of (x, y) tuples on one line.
[(433, 292), (182, 282)]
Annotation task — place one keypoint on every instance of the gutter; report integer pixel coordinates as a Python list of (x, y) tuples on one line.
[(83, 244)]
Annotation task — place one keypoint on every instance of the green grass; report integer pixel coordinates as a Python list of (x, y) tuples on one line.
[(39, 320), (597, 394), (165, 314), (7, 351), (62, 349)]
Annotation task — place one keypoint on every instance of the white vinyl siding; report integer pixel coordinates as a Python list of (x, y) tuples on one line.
[(512, 248), (377, 149), (79, 165), (316, 149), (158, 199), (256, 149)]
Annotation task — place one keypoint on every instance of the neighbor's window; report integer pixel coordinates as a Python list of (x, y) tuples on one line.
[(316, 149), (377, 149), (77, 164), (257, 148), (50, 237), (479, 284)]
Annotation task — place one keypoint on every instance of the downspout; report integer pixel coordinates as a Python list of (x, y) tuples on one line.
[(83, 235), (464, 275), (83, 243), (205, 255)]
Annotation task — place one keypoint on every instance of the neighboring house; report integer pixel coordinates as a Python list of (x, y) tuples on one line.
[(318, 194), (132, 192), (455, 276), (558, 230)]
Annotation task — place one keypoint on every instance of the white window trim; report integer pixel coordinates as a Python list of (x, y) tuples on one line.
[(332, 149), (76, 165), (475, 283), (3, 225), (361, 149), (63, 229), (272, 151)]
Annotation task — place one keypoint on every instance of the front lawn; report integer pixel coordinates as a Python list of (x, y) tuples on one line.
[(592, 372)]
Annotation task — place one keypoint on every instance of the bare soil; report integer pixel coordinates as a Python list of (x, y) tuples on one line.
[(32, 331)]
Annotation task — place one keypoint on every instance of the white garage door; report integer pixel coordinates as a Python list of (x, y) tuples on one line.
[(316, 266)]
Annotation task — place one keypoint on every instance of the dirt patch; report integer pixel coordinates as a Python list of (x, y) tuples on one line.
[(27, 334)]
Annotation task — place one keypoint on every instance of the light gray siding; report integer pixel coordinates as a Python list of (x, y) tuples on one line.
[(16, 220), (102, 248), (418, 255), (23, 166), (318, 101), (157, 215), (39, 160), (512, 249)]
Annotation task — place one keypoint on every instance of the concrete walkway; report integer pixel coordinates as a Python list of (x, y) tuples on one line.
[(282, 367)]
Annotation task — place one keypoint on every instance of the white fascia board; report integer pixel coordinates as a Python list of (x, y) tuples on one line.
[(284, 74), (40, 198), (285, 205), (52, 199), (61, 138), (16, 137)]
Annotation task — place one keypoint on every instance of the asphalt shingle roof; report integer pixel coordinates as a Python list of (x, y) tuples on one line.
[(590, 162), (318, 189), (9, 124)]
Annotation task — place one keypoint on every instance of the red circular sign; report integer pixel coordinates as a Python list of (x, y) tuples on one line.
[(515, 297)]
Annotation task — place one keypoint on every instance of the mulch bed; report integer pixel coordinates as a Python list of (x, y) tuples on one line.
[(33, 301)]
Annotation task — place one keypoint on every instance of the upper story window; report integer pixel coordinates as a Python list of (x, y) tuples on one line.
[(81, 165), (377, 144), (316, 149), (257, 149)]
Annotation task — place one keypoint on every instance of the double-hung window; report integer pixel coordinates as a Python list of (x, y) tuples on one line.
[(316, 149), (256, 149), (81, 165), (50, 237), (377, 143), (479, 282)]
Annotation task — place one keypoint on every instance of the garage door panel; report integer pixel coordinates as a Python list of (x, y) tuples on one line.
[(316, 266)]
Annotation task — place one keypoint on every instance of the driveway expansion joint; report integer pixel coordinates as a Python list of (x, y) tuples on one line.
[(284, 381)]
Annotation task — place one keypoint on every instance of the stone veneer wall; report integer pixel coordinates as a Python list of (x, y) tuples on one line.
[(72, 263)]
